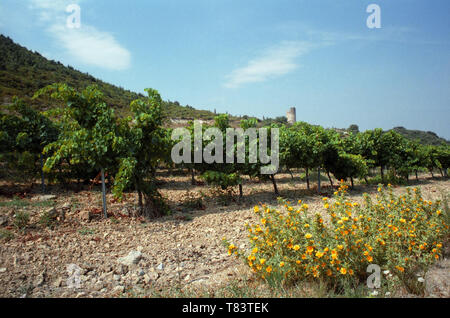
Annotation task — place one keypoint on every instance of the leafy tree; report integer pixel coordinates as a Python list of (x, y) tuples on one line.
[(443, 158), (24, 132), (354, 129), (349, 166), (88, 130), (142, 144), (380, 147)]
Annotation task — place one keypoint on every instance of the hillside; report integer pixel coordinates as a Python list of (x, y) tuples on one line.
[(23, 72), (424, 137)]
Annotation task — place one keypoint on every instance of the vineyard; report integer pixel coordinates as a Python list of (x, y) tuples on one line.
[(83, 138), (83, 145)]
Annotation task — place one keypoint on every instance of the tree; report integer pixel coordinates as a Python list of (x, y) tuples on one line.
[(24, 133), (141, 145), (354, 129), (88, 130), (349, 166), (380, 147), (443, 158)]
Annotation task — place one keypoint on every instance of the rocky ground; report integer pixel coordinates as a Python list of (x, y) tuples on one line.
[(84, 255)]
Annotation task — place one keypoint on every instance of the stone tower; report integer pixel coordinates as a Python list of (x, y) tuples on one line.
[(291, 116)]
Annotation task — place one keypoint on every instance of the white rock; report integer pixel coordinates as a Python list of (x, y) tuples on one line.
[(44, 197), (66, 206), (58, 282), (160, 267), (132, 258), (2, 270), (119, 289)]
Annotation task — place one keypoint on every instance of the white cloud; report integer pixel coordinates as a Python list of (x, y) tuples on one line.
[(272, 63), (92, 47), (86, 44), (48, 10)]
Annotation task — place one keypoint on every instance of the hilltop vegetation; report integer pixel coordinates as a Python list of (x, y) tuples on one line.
[(23, 72), (425, 138)]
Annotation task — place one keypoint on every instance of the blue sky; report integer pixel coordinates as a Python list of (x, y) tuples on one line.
[(259, 57)]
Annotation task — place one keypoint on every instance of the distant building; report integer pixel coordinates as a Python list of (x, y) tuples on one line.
[(291, 116)]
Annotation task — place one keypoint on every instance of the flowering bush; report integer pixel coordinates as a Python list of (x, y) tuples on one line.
[(403, 235)]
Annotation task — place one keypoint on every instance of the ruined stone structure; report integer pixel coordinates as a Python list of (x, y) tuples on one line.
[(291, 116)]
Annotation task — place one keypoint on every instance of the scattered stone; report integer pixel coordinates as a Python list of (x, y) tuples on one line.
[(125, 212), (58, 282), (2, 270), (132, 258), (66, 206), (85, 215), (116, 277), (437, 279), (160, 267), (51, 213), (150, 277), (86, 268), (47, 197), (40, 279), (200, 281), (119, 289), (3, 220), (136, 280), (147, 279)]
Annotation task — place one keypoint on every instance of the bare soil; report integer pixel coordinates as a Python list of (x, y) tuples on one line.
[(183, 249)]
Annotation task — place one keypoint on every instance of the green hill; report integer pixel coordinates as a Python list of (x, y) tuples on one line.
[(424, 137), (23, 72)]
